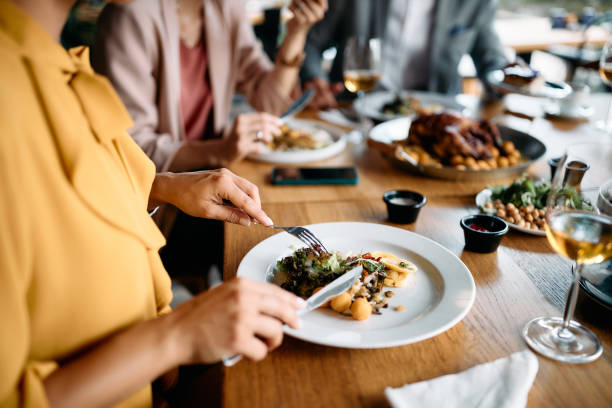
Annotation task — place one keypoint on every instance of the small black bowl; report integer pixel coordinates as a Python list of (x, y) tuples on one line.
[(483, 241), (403, 206)]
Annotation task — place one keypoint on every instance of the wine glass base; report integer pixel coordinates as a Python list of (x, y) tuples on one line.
[(575, 345)]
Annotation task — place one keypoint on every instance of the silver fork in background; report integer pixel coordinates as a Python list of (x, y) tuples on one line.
[(306, 236)]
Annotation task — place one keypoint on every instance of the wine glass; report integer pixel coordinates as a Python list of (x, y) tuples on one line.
[(605, 71), (362, 69), (577, 230)]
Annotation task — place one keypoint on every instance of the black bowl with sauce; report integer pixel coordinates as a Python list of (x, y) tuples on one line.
[(482, 232), (403, 206)]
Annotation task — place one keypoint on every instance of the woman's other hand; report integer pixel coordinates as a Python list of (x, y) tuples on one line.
[(248, 133), (237, 317), (202, 194), (325, 93), (306, 13)]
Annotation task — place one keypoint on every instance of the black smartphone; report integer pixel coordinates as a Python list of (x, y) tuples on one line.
[(314, 175)]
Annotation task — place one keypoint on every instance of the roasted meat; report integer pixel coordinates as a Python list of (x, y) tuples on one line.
[(446, 135)]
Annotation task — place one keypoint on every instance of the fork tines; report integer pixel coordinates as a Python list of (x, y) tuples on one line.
[(313, 242)]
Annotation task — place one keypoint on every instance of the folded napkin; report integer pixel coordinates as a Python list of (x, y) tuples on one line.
[(503, 383)]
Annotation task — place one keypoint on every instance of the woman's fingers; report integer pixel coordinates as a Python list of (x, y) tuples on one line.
[(229, 214), (269, 329), (249, 188), (247, 204), (253, 348)]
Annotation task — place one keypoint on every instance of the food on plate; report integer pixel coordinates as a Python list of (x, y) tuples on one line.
[(304, 273), (522, 203), (449, 139), (521, 75), (300, 139), (400, 308), (409, 106)]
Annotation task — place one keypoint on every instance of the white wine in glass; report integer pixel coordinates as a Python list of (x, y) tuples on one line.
[(576, 230), (360, 80), (362, 64)]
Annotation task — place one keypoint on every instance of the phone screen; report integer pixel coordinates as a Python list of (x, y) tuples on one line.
[(314, 175)]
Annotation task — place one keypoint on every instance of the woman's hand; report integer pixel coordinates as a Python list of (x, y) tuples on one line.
[(247, 134), (237, 317), (202, 194), (306, 13), (325, 93)]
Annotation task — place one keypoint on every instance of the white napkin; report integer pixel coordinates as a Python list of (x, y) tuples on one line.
[(503, 383)]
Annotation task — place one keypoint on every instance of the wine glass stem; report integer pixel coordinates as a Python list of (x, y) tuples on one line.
[(570, 304)]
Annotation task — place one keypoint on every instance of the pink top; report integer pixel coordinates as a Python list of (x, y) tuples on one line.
[(196, 94)]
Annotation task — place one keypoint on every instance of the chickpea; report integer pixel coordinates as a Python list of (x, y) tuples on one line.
[(513, 160), (341, 302), (529, 217), (361, 309), (542, 213), (495, 152), (516, 154), (508, 147), (528, 225), (498, 204), (510, 207), (503, 162), (456, 160), (474, 166), (469, 161), (326, 304), (460, 167), (510, 219), (501, 213), (520, 222), (437, 164), (489, 205), (483, 165), (492, 163)]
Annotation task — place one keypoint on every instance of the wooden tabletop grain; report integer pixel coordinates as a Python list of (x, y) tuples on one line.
[(523, 279)]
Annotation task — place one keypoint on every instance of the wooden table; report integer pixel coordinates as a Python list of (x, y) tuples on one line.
[(522, 280)]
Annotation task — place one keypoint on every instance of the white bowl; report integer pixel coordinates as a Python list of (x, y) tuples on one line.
[(604, 198)]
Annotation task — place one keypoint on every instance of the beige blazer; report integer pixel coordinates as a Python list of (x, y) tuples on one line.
[(137, 47)]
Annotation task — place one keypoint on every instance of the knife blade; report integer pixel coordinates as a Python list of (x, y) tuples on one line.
[(299, 104), (332, 289)]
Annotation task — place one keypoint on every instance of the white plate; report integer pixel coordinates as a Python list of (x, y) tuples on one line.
[(440, 296), (305, 155), (371, 104), (485, 196), (579, 112), (549, 89)]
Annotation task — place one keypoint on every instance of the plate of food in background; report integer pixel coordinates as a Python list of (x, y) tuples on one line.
[(518, 77), (386, 105), (454, 147), (302, 141), (411, 288), (521, 204)]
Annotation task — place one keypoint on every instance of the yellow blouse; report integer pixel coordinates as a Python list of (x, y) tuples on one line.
[(78, 252)]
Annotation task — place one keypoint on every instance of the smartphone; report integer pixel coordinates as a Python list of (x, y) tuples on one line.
[(314, 175)]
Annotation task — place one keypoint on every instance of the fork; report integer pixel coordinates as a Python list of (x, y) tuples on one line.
[(306, 236)]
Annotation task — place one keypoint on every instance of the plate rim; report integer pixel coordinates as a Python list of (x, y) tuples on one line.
[(491, 80), (358, 103), (529, 231), (288, 157), (446, 297)]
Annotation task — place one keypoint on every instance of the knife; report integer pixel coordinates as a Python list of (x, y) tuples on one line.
[(332, 289), (299, 104)]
